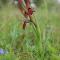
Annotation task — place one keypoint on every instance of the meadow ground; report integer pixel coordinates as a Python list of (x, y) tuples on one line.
[(42, 43)]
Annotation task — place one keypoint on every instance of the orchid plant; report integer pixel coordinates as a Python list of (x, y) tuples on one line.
[(27, 11)]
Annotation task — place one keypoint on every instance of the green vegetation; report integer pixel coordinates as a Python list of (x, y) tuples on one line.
[(42, 43)]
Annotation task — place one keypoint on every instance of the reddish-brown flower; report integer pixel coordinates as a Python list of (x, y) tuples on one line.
[(20, 1)]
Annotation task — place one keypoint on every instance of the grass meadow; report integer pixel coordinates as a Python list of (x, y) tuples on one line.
[(41, 43)]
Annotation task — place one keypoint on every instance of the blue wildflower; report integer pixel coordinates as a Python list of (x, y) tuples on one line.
[(1, 51)]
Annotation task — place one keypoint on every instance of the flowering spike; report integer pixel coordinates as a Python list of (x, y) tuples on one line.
[(26, 10)]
